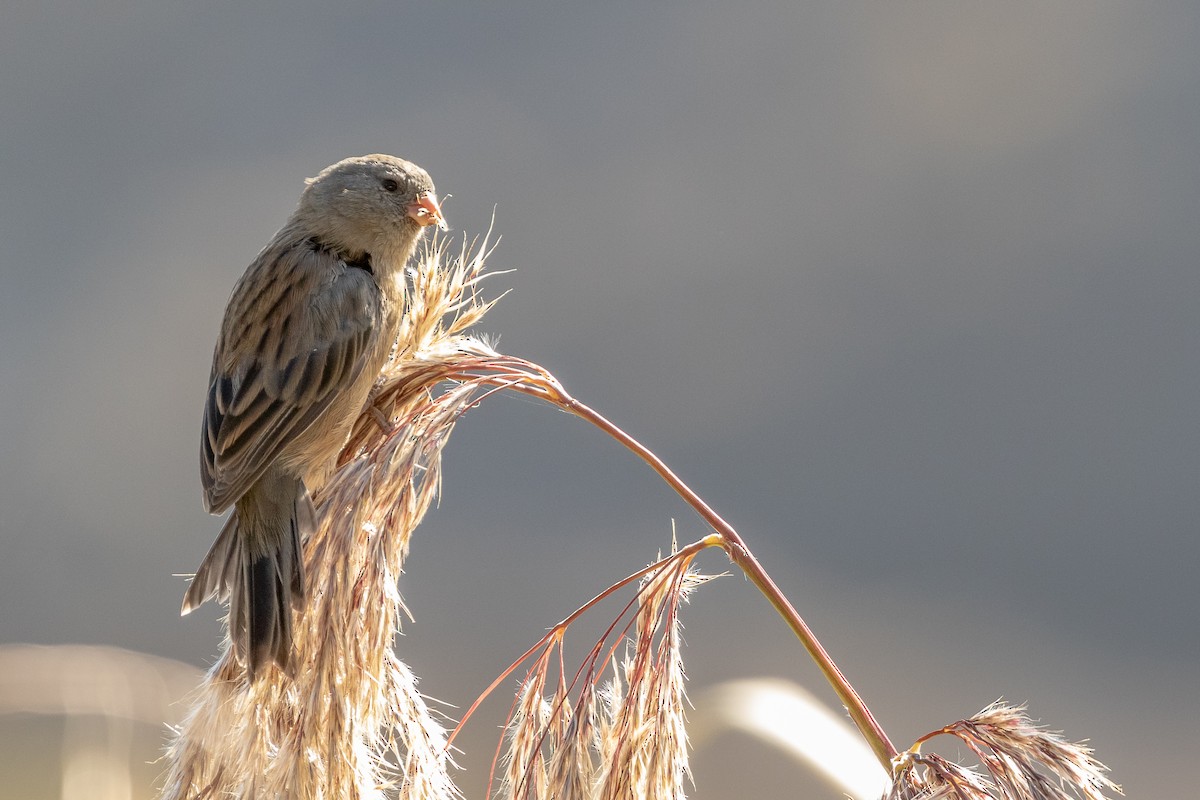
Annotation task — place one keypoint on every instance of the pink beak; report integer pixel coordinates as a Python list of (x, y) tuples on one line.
[(426, 211)]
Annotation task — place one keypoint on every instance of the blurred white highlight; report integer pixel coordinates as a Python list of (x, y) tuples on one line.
[(790, 718), (101, 692)]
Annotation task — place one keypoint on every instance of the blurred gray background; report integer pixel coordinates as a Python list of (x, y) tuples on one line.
[(909, 291)]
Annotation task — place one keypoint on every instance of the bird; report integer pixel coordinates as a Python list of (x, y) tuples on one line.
[(306, 332)]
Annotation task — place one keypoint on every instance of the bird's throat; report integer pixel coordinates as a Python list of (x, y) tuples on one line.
[(353, 260)]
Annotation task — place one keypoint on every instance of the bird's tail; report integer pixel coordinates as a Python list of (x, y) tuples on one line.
[(261, 574)]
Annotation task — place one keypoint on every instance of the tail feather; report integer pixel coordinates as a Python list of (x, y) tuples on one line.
[(262, 587), (220, 568), (267, 633)]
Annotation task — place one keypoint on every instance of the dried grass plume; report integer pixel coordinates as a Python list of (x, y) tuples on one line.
[(351, 723), (570, 737), (1021, 761)]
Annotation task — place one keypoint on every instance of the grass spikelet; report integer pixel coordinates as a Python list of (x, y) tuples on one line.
[(643, 742), (1022, 761), (326, 731), (572, 768), (625, 739), (418, 745), (524, 767)]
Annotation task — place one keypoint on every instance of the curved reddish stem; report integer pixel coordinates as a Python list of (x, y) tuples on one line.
[(507, 372)]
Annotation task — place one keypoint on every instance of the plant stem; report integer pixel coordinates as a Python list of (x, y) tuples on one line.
[(740, 554)]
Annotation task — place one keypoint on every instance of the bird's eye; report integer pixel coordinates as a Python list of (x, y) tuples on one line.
[(390, 185)]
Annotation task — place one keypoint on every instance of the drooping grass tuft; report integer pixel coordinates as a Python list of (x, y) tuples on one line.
[(572, 736), (1021, 761)]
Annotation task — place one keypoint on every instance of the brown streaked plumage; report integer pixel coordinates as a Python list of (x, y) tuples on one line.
[(306, 332)]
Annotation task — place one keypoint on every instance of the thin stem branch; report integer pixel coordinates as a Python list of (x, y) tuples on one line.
[(558, 631), (734, 546), (507, 372)]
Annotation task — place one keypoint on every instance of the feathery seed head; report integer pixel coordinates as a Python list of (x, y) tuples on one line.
[(1022, 761)]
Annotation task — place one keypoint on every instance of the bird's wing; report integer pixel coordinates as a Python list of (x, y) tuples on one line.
[(297, 331)]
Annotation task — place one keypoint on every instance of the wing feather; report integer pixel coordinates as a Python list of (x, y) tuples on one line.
[(297, 331)]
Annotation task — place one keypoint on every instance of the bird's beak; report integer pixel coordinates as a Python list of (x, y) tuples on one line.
[(426, 211)]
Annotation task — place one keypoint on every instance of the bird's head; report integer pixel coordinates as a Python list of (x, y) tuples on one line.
[(370, 204)]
